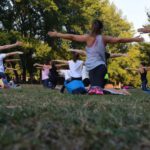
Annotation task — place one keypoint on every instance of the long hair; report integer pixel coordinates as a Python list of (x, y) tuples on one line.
[(97, 27)]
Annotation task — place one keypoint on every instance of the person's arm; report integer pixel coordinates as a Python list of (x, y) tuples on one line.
[(10, 45), (72, 37), (12, 60), (60, 66), (114, 55), (132, 69), (7, 68), (14, 53), (39, 68), (38, 65), (82, 52), (60, 61), (42, 66), (114, 40), (144, 30), (147, 68)]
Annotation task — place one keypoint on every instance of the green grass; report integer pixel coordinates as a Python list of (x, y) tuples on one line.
[(33, 118)]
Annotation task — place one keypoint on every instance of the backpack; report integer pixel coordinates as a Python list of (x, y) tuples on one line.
[(75, 87)]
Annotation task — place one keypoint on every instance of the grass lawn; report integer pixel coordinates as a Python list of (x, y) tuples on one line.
[(32, 118)]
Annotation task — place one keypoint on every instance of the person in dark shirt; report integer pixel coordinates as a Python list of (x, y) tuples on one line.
[(53, 75), (142, 70)]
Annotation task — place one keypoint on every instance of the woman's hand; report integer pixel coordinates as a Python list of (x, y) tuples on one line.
[(18, 43), (52, 33), (138, 39), (20, 53), (145, 29)]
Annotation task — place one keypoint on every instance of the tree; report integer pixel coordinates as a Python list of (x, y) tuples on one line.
[(32, 19)]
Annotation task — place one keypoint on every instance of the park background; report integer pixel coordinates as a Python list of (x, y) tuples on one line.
[(29, 21), (35, 118)]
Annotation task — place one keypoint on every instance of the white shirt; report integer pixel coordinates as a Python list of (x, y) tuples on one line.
[(65, 73), (85, 73), (75, 68), (2, 56)]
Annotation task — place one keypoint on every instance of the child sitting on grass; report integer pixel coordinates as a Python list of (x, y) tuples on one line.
[(74, 72)]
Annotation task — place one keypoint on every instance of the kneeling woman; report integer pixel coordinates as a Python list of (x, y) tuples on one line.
[(95, 52)]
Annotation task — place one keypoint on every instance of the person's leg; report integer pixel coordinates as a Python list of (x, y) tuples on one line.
[(50, 84), (97, 79), (67, 78), (97, 76), (91, 75), (86, 82), (62, 88), (45, 83), (2, 75), (144, 85)]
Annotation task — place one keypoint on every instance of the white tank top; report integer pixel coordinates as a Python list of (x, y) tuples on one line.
[(95, 54)]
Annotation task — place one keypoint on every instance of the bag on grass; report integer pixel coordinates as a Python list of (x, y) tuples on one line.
[(75, 87)]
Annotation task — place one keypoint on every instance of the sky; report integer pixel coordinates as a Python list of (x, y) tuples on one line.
[(134, 11)]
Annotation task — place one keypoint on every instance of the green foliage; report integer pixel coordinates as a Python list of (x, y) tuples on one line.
[(117, 68), (34, 51), (30, 20)]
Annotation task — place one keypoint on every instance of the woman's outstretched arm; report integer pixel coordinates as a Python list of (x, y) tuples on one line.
[(42, 65), (114, 40), (10, 45), (114, 55), (144, 30), (60, 61), (14, 53), (132, 69), (72, 37)]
